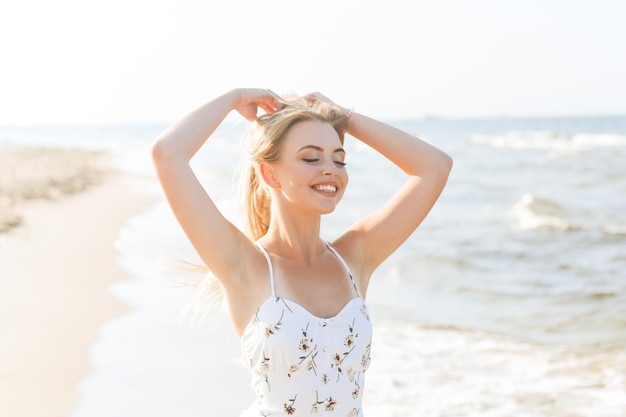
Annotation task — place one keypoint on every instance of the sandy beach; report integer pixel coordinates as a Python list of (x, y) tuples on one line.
[(60, 212)]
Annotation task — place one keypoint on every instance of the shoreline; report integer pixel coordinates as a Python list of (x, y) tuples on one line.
[(55, 271)]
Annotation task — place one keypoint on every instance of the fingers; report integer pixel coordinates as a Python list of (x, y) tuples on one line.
[(250, 100), (312, 97), (272, 94), (317, 97), (270, 108), (269, 101)]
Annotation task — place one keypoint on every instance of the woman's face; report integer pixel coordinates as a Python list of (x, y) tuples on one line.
[(311, 169)]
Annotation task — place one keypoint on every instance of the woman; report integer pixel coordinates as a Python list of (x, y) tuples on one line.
[(297, 302)]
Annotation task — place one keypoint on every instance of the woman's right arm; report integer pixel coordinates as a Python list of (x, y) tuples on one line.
[(217, 241)]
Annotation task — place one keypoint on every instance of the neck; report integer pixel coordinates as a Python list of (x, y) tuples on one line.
[(295, 236)]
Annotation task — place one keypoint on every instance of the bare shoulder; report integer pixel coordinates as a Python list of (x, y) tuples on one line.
[(351, 248)]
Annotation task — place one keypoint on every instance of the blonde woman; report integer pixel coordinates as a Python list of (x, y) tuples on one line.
[(297, 302)]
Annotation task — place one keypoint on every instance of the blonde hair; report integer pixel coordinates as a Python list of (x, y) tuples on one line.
[(266, 140), (267, 137)]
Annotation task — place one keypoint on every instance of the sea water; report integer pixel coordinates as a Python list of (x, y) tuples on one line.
[(509, 300)]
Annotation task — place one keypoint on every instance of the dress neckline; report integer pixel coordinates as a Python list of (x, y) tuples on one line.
[(299, 306), (303, 310), (329, 246)]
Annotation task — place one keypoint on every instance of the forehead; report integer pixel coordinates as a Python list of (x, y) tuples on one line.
[(312, 132)]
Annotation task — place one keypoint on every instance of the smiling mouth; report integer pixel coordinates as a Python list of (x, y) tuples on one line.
[(325, 188)]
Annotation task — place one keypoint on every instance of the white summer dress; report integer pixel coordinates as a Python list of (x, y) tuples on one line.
[(304, 365)]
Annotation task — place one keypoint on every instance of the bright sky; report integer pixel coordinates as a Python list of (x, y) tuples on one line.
[(135, 61)]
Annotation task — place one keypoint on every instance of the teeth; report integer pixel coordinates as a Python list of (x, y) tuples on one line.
[(327, 188)]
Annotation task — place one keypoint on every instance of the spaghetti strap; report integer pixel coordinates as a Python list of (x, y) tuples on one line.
[(269, 265), (345, 265)]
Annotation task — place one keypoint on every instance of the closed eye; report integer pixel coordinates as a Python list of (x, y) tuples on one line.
[(313, 160)]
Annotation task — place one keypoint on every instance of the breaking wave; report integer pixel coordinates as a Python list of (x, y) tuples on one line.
[(558, 142), (532, 212)]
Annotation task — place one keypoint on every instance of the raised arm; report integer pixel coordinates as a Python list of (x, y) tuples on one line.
[(372, 239), (218, 242)]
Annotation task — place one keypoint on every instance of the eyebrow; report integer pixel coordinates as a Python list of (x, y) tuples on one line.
[(317, 148)]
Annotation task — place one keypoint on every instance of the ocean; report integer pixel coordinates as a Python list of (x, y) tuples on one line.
[(509, 300)]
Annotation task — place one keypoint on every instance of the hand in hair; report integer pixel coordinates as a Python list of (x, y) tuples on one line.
[(249, 100), (319, 97)]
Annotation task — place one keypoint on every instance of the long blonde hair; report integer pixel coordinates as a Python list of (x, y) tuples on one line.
[(266, 138)]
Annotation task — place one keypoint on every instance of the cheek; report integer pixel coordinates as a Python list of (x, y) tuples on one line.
[(344, 180)]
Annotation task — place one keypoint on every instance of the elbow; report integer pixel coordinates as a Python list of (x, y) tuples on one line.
[(165, 148), (436, 166), (162, 154), (440, 170), (168, 148), (159, 152), (444, 164), (447, 163)]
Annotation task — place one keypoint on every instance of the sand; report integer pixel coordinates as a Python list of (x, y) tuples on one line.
[(29, 174), (60, 213)]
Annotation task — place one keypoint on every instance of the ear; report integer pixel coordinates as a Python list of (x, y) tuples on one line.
[(268, 175)]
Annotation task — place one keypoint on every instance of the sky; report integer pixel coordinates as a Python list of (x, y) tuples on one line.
[(152, 61)]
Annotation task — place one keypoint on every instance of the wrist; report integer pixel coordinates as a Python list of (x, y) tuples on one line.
[(234, 97), (349, 113)]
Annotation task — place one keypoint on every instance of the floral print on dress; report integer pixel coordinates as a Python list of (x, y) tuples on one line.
[(271, 329), (335, 354), (289, 408), (303, 364)]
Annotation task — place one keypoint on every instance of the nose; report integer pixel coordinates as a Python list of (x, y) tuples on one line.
[(329, 169)]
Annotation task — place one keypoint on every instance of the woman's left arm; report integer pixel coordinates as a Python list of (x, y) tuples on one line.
[(379, 234)]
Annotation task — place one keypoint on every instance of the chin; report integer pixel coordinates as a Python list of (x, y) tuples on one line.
[(328, 209)]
